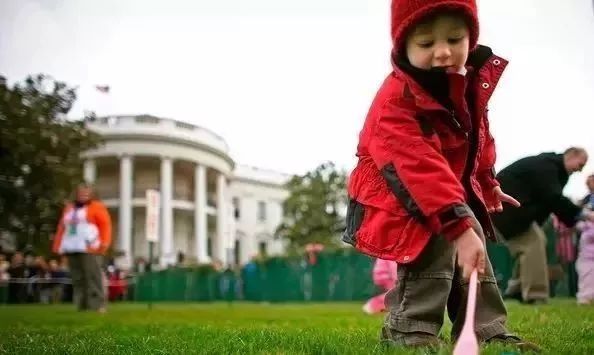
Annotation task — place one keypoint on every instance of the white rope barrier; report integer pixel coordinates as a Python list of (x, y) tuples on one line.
[(61, 280)]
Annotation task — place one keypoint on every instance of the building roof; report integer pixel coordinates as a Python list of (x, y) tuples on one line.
[(260, 175)]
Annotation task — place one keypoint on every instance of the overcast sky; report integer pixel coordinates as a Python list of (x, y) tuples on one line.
[(288, 83)]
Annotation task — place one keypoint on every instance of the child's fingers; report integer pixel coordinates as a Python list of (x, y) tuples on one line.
[(507, 198), (481, 262), (462, 265), (466, 271)]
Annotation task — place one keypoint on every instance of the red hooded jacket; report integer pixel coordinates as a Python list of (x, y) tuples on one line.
[(424, 169)]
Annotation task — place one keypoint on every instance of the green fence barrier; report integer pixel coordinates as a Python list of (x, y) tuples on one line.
[(3, 293), (336, 276), (502, 263), (178, 285), (343, 275)]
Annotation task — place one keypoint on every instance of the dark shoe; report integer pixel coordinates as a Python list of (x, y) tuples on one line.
[(412, 340), (513, 296), (536, 302), (518, 297), (509, 339)]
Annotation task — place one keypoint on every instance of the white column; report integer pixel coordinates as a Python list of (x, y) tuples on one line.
[(200, 218), (167, 252), (220, 251), (90, 171), (125, 211)]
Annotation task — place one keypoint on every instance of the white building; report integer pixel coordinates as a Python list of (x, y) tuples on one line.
[(211, 208)]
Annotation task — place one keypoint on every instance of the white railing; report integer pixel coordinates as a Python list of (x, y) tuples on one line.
[(158, 127)]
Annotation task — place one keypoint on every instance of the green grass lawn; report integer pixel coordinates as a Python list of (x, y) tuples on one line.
[(337, 328)]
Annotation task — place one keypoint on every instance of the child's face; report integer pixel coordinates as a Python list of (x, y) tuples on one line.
[(441, 42)]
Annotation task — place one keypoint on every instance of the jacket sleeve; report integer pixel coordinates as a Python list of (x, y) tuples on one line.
[(59, 234), (103, 220), (417, 173), (550, 190), (486, 169)]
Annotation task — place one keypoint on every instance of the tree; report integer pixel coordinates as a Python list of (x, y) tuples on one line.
[(40, 156), (312, 212)]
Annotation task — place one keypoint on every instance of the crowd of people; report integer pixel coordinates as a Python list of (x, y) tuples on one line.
[(28, 278)]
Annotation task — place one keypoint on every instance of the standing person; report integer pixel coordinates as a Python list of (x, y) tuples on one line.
[(17, 271), (424, 185), (585, 264), (384, 278), (57, 285), (537, 182), (84, 235), (588, 201)]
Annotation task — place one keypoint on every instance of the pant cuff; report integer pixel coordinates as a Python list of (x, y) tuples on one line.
[(535, 296), (403, 325), (585, 296), (492, 329)]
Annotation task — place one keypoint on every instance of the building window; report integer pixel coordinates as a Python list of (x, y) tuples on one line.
[(211, 200), (145, 119), (209, 246), (237, 252), (262, 248), (261, 211), (184, 125), (236, 210)]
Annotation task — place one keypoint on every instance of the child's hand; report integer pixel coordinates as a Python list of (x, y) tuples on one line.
[(500, 197), (471, 253)]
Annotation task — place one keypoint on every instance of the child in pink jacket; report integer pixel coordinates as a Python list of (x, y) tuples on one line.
[(384, 277), (585, 263)]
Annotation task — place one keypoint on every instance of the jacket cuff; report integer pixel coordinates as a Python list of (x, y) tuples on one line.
[(454, 220), (454, 230)]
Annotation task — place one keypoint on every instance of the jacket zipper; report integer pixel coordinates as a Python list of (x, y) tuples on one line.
[(457, 123), (474, 200)]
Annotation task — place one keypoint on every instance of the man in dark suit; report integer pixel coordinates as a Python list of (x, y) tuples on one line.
[(537, 182)]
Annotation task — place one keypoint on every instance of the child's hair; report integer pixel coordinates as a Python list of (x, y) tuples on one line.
[(408, 13)]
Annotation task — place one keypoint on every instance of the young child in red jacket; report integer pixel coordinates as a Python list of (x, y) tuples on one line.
[(424, 184)]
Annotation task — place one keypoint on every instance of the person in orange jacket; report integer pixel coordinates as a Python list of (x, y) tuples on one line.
[(84, 235)]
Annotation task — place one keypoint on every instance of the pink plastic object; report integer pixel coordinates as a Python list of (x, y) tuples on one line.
[(467, 343)]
